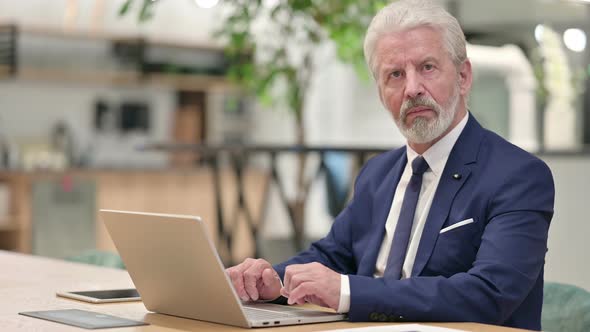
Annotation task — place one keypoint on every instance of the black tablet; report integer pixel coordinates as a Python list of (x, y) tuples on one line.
[(103, 296)]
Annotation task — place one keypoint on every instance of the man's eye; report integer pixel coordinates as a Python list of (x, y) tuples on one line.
[(396, 74), (428, 67)]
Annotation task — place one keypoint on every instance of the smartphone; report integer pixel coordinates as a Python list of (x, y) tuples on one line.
[(103, 296)]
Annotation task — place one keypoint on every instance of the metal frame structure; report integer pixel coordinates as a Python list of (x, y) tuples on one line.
[(239, 155)]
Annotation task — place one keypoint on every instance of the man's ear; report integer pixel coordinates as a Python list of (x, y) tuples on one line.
[(465, 77)]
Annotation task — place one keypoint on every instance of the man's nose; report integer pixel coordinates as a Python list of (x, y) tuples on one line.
[(414, 85)]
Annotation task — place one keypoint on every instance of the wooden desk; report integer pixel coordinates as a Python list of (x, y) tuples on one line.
[(29, 283)]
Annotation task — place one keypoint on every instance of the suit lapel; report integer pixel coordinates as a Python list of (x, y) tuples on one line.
[(381, 206), (462, 158)]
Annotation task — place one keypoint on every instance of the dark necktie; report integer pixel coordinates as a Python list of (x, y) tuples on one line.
[(403, 229)]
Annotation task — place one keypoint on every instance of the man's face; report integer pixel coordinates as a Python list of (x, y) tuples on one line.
[(419, 83)]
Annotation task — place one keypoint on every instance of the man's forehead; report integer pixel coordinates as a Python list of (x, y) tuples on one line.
[(415, 45), (414, 34)]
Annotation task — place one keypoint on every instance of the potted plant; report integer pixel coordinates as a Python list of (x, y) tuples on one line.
[(279, 69)]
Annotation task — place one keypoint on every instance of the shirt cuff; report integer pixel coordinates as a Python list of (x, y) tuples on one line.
[(344, 304)]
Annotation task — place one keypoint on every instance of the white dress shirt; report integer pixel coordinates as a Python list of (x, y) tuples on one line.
[(436, 157)]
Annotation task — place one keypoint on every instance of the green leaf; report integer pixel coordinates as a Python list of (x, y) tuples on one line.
[(125, 7), (146, 13), (301, 24)]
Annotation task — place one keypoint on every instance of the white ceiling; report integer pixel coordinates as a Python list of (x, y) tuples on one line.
[(181, 20), (508, 14)]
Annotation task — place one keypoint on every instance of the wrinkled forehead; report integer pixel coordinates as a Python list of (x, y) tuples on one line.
[(410, 44)]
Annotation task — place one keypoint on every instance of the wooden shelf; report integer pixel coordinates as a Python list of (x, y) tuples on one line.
[(38, 74), (4, 71), (190, 82), (9, 227), (51, 31), (133, 76), (120, 78), (10, 223)]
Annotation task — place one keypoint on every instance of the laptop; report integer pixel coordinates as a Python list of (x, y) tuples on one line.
[(176, 269)]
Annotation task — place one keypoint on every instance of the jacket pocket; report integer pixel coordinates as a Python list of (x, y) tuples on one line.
[(457, 225)]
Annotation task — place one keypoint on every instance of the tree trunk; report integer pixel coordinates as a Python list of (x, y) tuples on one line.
[(300, 201)]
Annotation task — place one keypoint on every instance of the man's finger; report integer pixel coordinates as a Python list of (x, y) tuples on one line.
[(270, 278), (236, 274), (299, 277), (303, 290), (290, 271), (297, 270), (238, 282), (284, 292), (252, 276)]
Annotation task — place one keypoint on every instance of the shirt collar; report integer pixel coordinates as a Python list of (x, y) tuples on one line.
[(436, 156)]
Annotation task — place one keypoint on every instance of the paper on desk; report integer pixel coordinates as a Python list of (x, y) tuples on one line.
[(399, 328)]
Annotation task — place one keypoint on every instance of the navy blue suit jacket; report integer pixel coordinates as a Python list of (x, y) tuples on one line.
[(489, 271)]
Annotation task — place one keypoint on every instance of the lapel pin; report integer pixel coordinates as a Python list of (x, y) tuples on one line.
[(457, 176)]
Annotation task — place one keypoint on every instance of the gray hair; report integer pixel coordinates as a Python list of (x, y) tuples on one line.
[(407, 14)]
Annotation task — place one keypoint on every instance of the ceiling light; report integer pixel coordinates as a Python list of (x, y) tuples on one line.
[(575, 39), (206, 3)]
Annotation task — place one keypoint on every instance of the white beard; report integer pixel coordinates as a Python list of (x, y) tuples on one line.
[(423, 130)]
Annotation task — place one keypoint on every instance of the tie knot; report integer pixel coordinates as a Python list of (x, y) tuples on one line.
[(419, 165)]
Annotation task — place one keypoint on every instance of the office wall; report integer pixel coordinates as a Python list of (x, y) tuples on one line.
[(30, 110), (173, 20), (566, 259)]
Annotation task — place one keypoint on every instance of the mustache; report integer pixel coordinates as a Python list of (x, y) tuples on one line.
[(423, 101)]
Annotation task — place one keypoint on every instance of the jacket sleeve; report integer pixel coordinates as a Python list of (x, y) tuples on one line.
[(507, 265), (335, 249)]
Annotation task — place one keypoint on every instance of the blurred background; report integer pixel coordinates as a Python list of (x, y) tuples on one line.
[(255, 115)]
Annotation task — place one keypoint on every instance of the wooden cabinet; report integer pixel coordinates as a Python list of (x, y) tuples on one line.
[(15, 222), (188, 191)]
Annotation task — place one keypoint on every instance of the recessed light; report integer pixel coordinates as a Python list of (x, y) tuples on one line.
[(575, 39)]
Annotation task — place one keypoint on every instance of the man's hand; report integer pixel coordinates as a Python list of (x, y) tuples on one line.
[(313, 283), (255, 279)]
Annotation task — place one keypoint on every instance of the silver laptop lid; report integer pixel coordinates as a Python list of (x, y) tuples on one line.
[(174, 266)]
